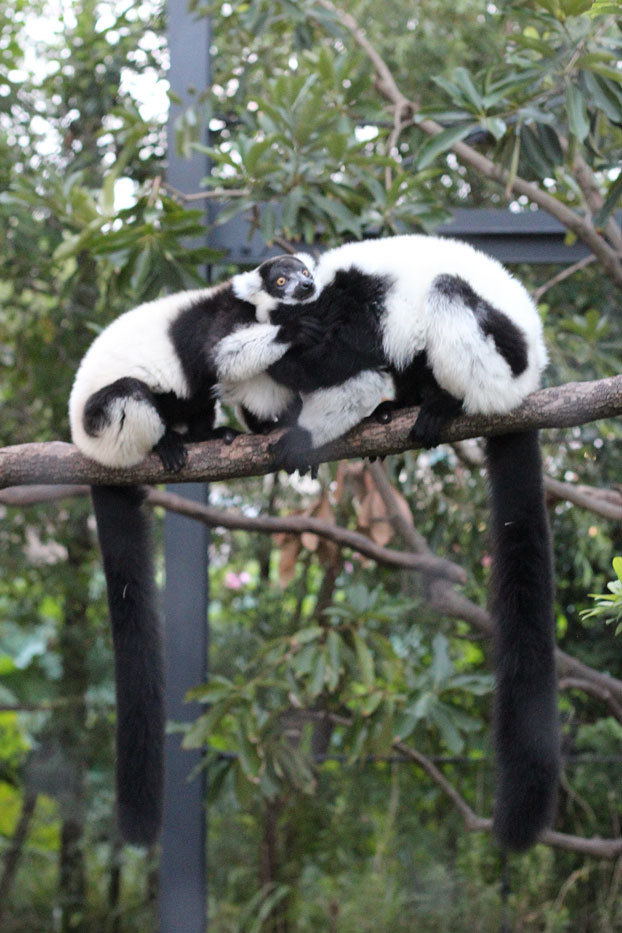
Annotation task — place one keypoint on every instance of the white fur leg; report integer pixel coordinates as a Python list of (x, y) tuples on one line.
[(247, 352), (134, 429), (265, 398), (329, 413), (467, 363)]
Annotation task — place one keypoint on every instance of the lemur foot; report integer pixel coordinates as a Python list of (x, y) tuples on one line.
[(172, 451), (291, 451)]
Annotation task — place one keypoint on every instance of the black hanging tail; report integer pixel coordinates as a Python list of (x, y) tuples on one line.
[(526, 723), (125, 540)]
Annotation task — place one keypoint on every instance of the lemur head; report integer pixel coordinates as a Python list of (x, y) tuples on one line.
[(281, 280)]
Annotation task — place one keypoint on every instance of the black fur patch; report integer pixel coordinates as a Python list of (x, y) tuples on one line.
[(197, 329), (96, 415), (509, 341), (349, 310)]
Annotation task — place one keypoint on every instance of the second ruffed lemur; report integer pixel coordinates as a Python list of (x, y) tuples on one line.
[(433, 322)]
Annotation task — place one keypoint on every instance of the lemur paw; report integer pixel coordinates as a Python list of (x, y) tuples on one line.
[(302, 331), (172, 451), (384, 413), (291, 451), (226, 434)]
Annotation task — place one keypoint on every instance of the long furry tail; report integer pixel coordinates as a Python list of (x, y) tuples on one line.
[(526, 722), (125, 539)]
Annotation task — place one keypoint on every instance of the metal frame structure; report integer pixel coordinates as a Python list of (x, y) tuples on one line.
[(511, 237)]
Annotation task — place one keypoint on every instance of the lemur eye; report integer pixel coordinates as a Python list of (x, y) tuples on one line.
[(281, 281), (305, 272)]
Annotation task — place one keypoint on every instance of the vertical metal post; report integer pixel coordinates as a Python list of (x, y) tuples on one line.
[(183, 884), (183, 867)]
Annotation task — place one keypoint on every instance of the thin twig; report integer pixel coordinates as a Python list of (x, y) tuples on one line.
[(215, 194), (561, 276)]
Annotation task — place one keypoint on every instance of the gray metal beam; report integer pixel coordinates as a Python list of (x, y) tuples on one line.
[(532, 236)]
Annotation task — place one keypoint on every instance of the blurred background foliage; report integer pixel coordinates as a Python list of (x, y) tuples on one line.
[(320, 658)]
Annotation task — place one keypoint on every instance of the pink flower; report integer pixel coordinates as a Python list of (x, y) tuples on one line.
[(235, 581)]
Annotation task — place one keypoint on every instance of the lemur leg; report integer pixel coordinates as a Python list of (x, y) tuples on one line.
[(247, 352), (476, 353), (329, 413), (437, 408), (255, 424), (122, 422)]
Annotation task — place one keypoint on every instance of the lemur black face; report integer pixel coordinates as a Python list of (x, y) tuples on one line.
[(288, 279)]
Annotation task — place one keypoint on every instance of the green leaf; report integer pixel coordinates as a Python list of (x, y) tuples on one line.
[(576, 7), (617, 566), (611, 202), (576, 109), (443, 141), (604, 95), (442, 718), (605, 8), (441, 667), (305, 635), (464, 81), (255, 153), (318, 673), (366, 661)]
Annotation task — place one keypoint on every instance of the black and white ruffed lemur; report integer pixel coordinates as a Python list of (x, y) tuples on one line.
[(433, 322), (148, 382)]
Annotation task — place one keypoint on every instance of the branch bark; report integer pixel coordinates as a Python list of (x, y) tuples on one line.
[(557, 407)]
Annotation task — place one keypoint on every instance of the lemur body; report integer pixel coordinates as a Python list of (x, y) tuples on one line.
[(148, 382), (434, 322)]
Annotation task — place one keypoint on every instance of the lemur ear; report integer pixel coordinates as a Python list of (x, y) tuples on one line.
[(309, 261), (247, 284)]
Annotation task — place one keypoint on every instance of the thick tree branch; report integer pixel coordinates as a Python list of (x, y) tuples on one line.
[(561, 406), (609, 256), (595, 690), (604, 502), (299, 524)]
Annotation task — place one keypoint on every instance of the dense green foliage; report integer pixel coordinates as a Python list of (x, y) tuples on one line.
[(321, 660)]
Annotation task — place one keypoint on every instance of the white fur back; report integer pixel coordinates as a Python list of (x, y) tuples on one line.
[(464, 361)]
